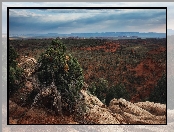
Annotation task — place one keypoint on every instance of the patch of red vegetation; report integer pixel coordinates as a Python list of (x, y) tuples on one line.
[(150, 72), (89, 72), (107, 47), (157, 50), (40, 116), (23, 115)]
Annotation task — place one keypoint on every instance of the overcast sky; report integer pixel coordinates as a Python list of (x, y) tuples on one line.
[(22, 21)]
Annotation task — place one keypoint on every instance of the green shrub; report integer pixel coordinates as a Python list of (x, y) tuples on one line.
[(106, 94), (16, 78), (99, 89), (56, 66), (118, 91), (159, 95)]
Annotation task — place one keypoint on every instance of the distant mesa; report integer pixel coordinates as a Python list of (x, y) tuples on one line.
[(97, 35)]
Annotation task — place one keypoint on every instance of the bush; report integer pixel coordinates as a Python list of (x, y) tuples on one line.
[(106, 94), (16, 78), (159, 95), (118, 91), (99, 89), (56, 66)]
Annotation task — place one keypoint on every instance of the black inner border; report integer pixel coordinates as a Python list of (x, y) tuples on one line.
[(8, 8)]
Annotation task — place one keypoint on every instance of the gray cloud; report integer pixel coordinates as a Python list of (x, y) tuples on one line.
[(169, 5), (52, 20)]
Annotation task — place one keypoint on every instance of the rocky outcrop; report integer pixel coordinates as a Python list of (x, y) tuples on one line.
[(154, 108), (96, 111), (139, 113), (121, 111)]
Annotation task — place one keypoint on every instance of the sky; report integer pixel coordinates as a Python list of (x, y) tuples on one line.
[(26, 21)]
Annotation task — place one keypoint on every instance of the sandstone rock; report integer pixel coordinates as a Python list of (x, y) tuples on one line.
[(96, 113), (154, 108), (132, 119), (91, 99), (121, 111), (129, 107), (133, 114)]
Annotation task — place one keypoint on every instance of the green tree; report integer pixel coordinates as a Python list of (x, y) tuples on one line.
[(55, 65), (158, 95)]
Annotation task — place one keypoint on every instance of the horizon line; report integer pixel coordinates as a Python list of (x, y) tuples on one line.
[(89, 32)]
